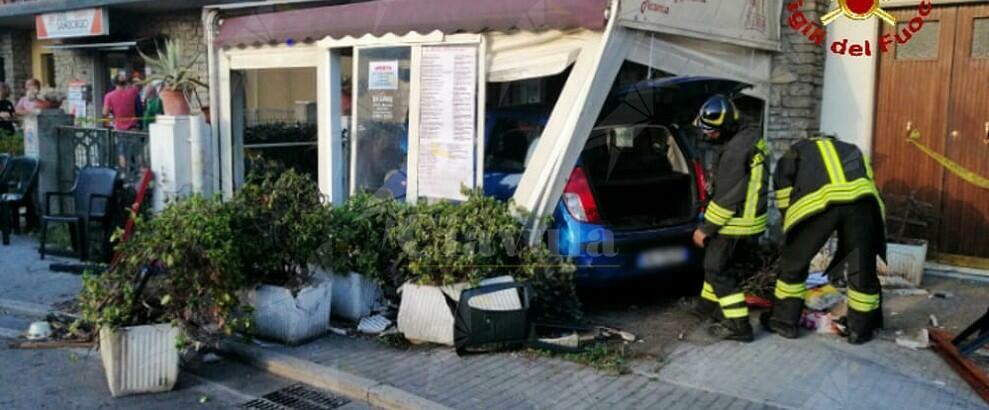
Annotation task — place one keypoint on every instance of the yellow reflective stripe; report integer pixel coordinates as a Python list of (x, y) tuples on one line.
[(862, 306), (736, 313), (755, 183), (839, 168), (820, 199), (732, 299), (783, 193), (863, 302), (707, 293), (745, 226), (785, 290), (720, 211), (868, 168)]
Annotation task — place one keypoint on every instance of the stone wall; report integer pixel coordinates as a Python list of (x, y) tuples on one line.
[(797, 82), (795, 92), (15, 48), (187, 29)]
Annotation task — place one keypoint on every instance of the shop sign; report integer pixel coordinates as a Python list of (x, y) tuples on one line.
[(749, 23), (75, 23)]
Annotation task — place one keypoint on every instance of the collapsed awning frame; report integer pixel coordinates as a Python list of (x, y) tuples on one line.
[(594, 67)]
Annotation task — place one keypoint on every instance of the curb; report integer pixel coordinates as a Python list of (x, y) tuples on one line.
[(32, 310), (356, 387)]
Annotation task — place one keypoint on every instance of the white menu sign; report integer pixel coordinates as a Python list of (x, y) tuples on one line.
[(447, 121)]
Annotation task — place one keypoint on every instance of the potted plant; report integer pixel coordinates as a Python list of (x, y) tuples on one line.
[(360, 256), (177, 76), (283, 222), (175, 282), (446, 248)]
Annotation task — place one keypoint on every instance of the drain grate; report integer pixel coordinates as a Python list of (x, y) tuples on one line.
[(296, 397)]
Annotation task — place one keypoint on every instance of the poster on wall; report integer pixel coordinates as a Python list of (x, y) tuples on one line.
[(383, 75), (77, 98), (447, 121)]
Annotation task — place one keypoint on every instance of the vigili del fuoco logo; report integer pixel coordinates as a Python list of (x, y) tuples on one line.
[(857, 10)]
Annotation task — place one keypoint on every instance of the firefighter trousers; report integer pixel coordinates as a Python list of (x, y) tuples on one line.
[(857, 251), (722, 278)]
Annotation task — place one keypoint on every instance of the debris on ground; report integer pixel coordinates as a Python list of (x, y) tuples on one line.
[(823, 297), (934, 322), (821, 322), (39, 330), (895, 282), (373, 325), (942, 295), (920, 341), (816, 279), (608, 332), (210, 357), (758, 302), (339, 331)]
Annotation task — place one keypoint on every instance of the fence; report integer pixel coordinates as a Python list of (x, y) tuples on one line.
[(126, 151)]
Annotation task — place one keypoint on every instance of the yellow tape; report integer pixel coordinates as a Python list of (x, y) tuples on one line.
[(954, 167)]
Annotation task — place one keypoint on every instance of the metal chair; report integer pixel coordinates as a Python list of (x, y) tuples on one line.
[(92, 201), (17, 184)]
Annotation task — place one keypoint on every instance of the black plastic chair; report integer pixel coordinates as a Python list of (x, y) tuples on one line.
[(92, 200), (3, 161), (17, 184)]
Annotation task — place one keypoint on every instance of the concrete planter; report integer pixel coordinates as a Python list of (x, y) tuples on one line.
[(280, 316), (140, 359), (425, 316), (906, 260), (354, 295)]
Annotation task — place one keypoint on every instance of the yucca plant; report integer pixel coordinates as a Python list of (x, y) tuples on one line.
[(176, 76)]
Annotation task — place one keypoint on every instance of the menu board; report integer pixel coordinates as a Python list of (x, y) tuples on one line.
[(447, 121)]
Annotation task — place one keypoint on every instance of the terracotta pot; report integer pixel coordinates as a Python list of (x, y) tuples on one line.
[(174, 103)]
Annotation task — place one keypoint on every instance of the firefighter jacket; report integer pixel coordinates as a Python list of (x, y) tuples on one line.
[(741, 184), (818, 172)]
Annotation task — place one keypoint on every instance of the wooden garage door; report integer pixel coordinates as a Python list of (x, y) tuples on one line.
[(938, 83)]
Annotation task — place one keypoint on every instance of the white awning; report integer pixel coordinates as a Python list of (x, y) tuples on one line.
[(523, 55)]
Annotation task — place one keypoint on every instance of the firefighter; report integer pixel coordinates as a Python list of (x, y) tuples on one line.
[(735, 216), (822, 186)]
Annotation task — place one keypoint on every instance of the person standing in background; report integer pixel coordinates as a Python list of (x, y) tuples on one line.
[(152, 105), (7, 111), (31, 99), (122, 103)]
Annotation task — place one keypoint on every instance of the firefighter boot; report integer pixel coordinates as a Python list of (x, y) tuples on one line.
[(739, 330), (862, 327), (783, 318)]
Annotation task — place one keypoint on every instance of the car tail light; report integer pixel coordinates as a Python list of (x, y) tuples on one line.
[(701, 183), (579, 199)]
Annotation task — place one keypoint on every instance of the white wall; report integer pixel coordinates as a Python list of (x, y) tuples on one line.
[(848, 101)]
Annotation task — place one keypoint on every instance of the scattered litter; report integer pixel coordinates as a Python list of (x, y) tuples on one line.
[(816, 279), (570, 341), (940, 383), (942, 294), (895, 282), (203, 399), (820, 322), (338, 331), (374, 324), (39, 330), (210, 358), (263, 344), (823, 297), (894, 313), (758, 302), (922, 341), (610, 332), (899, 332), (908, 292), (934, 321)]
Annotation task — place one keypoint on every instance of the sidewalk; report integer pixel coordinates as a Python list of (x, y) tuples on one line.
[(814, 372)]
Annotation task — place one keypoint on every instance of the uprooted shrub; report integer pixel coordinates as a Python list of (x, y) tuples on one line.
[(182, 267), (357, 240)]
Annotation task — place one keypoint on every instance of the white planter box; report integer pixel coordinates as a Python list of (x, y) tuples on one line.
[(291, 319), (424, 316), (906, 260), (354, 295), (140, 359)]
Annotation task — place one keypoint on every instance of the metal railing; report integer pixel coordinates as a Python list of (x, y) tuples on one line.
[(79, 147)]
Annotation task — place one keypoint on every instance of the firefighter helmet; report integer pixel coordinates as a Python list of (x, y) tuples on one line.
[(718, 114)]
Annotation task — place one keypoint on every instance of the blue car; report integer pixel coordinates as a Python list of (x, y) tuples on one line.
[(638, 190)]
